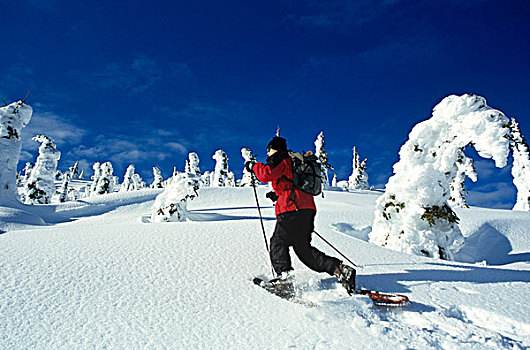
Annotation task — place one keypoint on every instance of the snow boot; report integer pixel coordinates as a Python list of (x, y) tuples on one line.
[(285, 278), (346, 276), (283, 285)]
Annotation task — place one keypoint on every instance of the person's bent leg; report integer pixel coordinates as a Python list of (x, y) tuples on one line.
[(309, 255)]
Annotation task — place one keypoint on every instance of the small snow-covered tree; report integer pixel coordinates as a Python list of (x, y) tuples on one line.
[(520, 167), (465, 169), (322, 156), (131, 180), (230, 179), (334, 181), (13, 118), (358, 179), (138, 182), (97, 174), (192, 165), (205, 179), (74, 171), (413, 214), (63, 193), (158, 180), (171, 205), (105, 183), (40, 186), (220, 173), (128, 182), (247, 155), (27, 171), (343, 184)]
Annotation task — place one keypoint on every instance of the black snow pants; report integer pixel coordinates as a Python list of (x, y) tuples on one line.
[(294, 229)]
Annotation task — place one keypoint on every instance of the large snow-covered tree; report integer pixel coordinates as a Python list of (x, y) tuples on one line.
[(322, 156), (413, 214), (171, 205), (358, 179), (13, 118), (220, 174), (40, 186), (520, 167)]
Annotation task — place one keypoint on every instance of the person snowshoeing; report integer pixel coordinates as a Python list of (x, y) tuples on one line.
[(295, 212)]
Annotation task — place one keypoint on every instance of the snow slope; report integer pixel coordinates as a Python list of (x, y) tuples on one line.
[(99, 275)]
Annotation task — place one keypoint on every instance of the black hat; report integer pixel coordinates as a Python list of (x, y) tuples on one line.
[(278, 143)]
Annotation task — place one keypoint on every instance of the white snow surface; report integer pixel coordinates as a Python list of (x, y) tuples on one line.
[(96, 276)]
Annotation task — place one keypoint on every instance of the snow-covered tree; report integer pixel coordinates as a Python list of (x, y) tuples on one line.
[(27, 171), (97, 174), (192, 165), (334, 181), (247, 155), (13, 118), (358, 179), (220, 173), (206, 179), (322, 156), (230, 179), (413, 214), (343, 184), (105, 182), (131, 180), (465, 169), (40, 186), (63, 193), (171, 205), (74, 171), (128, 183), (138, 182), (520, 167), (158, 180)]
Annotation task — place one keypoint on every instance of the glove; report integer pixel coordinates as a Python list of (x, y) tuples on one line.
[(272, 196), (249, 164)]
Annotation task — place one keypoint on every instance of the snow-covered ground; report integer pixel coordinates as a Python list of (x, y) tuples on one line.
[(98, 275)]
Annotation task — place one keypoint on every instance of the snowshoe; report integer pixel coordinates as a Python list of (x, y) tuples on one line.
[(384, 299), (284, 288)]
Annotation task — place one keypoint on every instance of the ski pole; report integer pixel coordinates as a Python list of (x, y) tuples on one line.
[(261, 221), (338, 251)]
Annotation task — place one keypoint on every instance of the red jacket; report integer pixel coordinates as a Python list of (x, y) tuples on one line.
[(279, 171)]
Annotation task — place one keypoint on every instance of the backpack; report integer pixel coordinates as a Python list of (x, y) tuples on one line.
[(307, 173)]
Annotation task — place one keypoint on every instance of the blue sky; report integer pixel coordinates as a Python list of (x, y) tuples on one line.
[(146, 82)]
